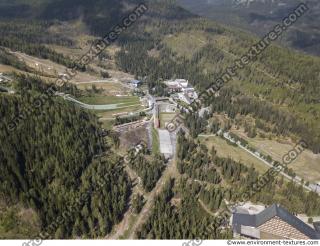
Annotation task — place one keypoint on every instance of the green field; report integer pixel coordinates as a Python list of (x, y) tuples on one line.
[(226, 150), (307, 165), (110, 88), (120, 105), (102, 100), (126, 109)]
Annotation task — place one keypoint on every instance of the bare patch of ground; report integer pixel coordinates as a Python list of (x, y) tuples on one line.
[(131, 138), (51, 68)]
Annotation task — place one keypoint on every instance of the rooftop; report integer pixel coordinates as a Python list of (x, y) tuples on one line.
[(317, 226), (178, 83), (244, 218), (134, 81)]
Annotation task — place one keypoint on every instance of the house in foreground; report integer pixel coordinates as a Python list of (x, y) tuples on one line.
[(273, 222)]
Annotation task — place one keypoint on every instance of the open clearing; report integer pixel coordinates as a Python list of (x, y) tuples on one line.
[(109, 88), (51, 68), (228, 151), (128, 139), (307, 165), (186, 44), (102, 100), (10, 69), (7, 69), (111, 114)]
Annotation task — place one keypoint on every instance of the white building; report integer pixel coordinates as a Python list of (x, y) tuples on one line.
[(185, 92), (176, 85)]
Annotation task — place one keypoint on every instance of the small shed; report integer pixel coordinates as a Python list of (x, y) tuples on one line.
[(135, 82)]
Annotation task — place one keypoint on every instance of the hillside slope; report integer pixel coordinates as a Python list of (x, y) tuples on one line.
[(49, 167), (259, 17), (50, 161)]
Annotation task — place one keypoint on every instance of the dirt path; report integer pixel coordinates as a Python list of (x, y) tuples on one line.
[(206, 209), (120, 229), (170, 171), (124, 225), (131, 223)]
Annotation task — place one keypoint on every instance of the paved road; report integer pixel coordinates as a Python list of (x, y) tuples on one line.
[(297, 179)]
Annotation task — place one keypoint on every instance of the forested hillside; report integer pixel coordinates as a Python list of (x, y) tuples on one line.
[(199, 210), (259, 16), (57, 154), (48, 164), (201, 51)]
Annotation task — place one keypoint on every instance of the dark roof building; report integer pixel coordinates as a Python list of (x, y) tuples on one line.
[(135, 82), (273, 222), (316, 226)]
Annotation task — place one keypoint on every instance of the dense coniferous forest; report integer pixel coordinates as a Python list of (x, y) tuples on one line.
[(49, 162), (183, 220), (196, 163), (149, 168)]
